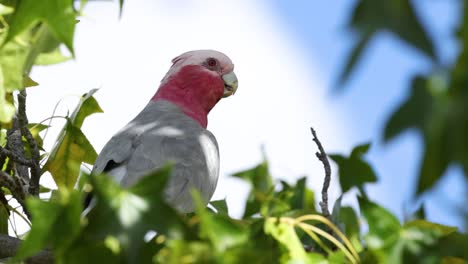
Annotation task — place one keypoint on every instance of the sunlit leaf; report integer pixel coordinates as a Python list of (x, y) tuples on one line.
[(52, 57), (285, 234), (72, 147), (5, 10), (59, 15)]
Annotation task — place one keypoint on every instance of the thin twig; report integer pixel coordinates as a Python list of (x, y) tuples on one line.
[(35, 157), (322, 156)]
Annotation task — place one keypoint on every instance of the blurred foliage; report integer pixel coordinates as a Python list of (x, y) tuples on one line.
[(438, 103), (280, 223)]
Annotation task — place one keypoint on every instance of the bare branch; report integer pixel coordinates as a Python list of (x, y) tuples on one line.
[(9, 246), (16, 189), (15, 157), (322, 156), (15, 145), (35, 157)]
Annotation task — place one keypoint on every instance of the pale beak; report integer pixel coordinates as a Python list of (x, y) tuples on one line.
[(230, 84)]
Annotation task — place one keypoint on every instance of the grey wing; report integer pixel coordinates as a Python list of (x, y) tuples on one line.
[(114, 155), (195, 160)]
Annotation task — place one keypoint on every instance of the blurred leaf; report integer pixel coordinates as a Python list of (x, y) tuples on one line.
[(52, 57), (28, 82), (125, 216), (178, 250), (13, 57), (384, 227), (51, 220), (370, 17), (259, 176), (303, 198), (262, 183), (453, 260), (337, 257), (59, 15), (354, 171), (7, 110), (415, 112), (285, 234), (4, 215), (353, 59), (72, 147), (3, 138), (5, 10), (220, 206), (443, 230), (348, 217), (222, 231)]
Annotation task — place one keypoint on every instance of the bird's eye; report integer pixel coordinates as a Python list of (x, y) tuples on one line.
[(212, 63)]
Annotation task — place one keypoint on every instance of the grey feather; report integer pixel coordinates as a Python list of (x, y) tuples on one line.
[(162, 133)]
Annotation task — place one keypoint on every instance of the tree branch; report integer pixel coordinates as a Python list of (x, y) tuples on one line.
[(15, 157), (16, 189), (322, 156), (35, 157), (9, 246), (15, 145)]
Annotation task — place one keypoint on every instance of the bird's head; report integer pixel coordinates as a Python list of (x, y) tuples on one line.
[(196, 81)]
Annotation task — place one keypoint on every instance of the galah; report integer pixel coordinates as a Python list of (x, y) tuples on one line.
[(172, 128)]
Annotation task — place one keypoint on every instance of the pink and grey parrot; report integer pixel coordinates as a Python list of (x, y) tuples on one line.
[(172, 128)]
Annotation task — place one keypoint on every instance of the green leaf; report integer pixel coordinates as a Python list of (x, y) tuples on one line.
[(398, 17), (222, 231), (443, 230), (285, 234), (5, 10), (354, 171), (348, 217), (262, 183), (12, 60), (53, 57), (178, 250), (370, 17), (123, 217), (415, 112), (259, 177), (87, 106), (59, 15), (28, 82), (353, 59), (72, 147), (51, 220), (220, 206), (384, 227), (7, 110)]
